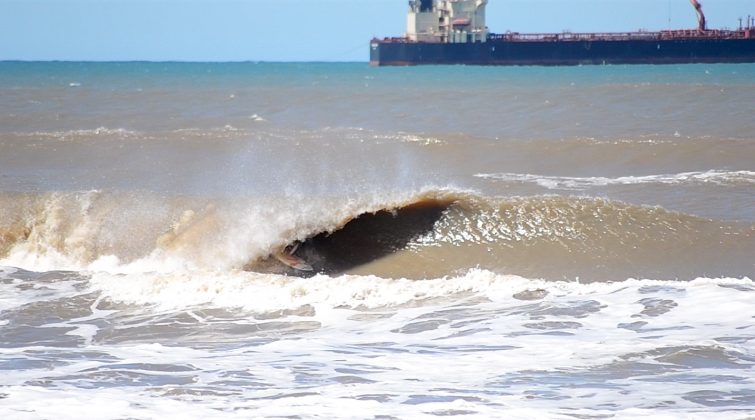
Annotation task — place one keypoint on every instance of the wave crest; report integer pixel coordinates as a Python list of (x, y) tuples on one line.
[(428, 234)]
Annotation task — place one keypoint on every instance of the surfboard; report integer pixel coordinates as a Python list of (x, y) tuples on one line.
[(287, 257)]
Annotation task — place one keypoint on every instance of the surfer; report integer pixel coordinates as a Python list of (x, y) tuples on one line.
[(287, 257)]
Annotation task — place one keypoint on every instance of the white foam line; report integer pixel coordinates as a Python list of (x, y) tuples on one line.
[(99, 131), (715, 177), (267, 292)]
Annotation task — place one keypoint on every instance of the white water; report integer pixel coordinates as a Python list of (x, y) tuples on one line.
[(243, 345), (715, 177)]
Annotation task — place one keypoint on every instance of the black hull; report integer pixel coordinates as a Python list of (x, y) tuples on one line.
[(560, 53)]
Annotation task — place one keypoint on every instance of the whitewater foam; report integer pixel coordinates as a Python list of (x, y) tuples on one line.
[(247, 344), (715, 177), (80, 134), (268, 292)]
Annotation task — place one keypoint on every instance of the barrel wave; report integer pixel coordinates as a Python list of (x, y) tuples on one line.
[(429, 234)]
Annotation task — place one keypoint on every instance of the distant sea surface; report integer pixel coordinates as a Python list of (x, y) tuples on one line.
[(485, 242)]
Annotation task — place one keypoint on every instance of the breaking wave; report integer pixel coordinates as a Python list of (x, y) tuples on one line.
[(428, 234)]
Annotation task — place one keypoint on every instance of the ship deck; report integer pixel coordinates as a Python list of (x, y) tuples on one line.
[(681, 34)]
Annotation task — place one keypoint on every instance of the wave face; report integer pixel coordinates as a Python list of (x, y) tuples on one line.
[(427, 235)]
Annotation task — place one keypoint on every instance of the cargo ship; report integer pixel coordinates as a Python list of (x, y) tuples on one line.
[(454, 32)]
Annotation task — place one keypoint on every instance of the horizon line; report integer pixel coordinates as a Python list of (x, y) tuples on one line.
[(186, 61)]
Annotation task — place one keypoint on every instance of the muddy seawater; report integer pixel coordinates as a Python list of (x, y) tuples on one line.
[(519, 242)]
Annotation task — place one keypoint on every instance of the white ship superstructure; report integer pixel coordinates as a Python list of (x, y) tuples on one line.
[(447, 21)]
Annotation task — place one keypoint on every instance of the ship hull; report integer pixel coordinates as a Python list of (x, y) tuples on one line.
[(504, 52)]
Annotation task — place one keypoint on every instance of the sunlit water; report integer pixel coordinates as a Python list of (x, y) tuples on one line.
[(487, 242)]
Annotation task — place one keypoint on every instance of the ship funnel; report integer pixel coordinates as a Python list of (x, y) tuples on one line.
[(701, 27)]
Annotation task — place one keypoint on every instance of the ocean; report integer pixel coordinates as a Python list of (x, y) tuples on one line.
[(484, 242)]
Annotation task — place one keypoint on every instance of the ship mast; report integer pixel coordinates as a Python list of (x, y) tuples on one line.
[(700, 15)]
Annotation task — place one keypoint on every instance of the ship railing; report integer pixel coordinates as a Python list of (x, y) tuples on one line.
[(604, 36), (707, 34), (618, 36), (571, 36)]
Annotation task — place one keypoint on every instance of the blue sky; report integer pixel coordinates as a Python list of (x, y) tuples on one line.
[(294, 30)]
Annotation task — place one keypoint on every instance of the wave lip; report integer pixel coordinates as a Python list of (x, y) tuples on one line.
[(712, 177), (137, 231)]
